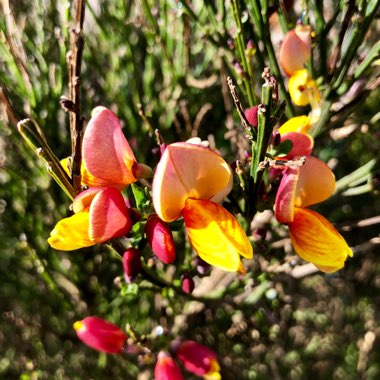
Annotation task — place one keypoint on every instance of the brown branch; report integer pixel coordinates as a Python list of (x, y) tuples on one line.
[(74, 58), (7, 112)]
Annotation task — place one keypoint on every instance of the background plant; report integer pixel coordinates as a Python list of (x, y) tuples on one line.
[(165, 65)]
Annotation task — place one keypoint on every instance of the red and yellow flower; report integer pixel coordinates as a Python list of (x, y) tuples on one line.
[(189, 181)]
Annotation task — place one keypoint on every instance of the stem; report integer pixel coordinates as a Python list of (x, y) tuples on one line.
[(262, 25), (248, 78), (76, 121), (357, 37), (35, 138)]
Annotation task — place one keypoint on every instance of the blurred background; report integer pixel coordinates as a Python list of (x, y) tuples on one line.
[(163, 64)]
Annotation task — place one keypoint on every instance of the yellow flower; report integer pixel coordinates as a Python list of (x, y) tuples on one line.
[(303, 89)]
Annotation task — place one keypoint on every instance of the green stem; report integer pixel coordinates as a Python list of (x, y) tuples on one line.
[(358, 34), (262, 26), (248, 77), (36, 140)]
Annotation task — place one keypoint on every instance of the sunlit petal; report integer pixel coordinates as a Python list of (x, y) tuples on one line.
[(188, 170), (316, 240), (284, 204), (71, 233), (106, 152), (109, 216), (216, 235), (316, 183), (300, 124)]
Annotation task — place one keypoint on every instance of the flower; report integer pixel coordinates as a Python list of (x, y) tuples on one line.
[(108, 160), (313, 237), (295, 50), (199, 360), (166, 368), (100, 214), (160, 238), (189, 179), (303, 89), (131, 264), (101, 335)]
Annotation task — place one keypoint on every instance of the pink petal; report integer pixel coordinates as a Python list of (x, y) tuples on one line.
[(106, 152), (284, 204), (302, 144), (188, 170), (83, 200), (294, 52), (109, 217)]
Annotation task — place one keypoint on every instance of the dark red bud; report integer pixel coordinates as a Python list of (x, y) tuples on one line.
[(231, 43), (260, 233), (131, 264), (276, 138), (187, 283)]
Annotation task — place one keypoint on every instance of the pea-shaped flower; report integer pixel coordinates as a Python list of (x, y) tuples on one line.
[(188, 181), (100, 214), (108, 159), (313, 237)]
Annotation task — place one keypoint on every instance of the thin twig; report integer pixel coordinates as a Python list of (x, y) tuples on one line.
[(247, 126), (74, 58)]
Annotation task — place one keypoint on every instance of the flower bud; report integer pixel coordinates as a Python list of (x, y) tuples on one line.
[(101, 335), (251, 115), (199, 359), (166, 368), (160, 238), (131, 264), (187, 283)]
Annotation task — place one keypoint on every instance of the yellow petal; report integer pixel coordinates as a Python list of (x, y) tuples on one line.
[(299, 124), (188, 170), (71, 233), (216, 235), (303, 89), (316, 183), (316, 240)]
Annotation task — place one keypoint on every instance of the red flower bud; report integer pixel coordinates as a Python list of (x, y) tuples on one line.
[(251, 115), (198, 359), (101, 335), (131, 264), (187, 283), (166, 368), (160, 238)]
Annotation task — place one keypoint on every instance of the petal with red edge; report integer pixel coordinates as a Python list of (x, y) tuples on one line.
[(316, 240), (284, 204), (188, 170), (299, 124), (316, 183), (106, 152), (302, 144), (216, 235), (166, 368), (109, 217), (71, 233)]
